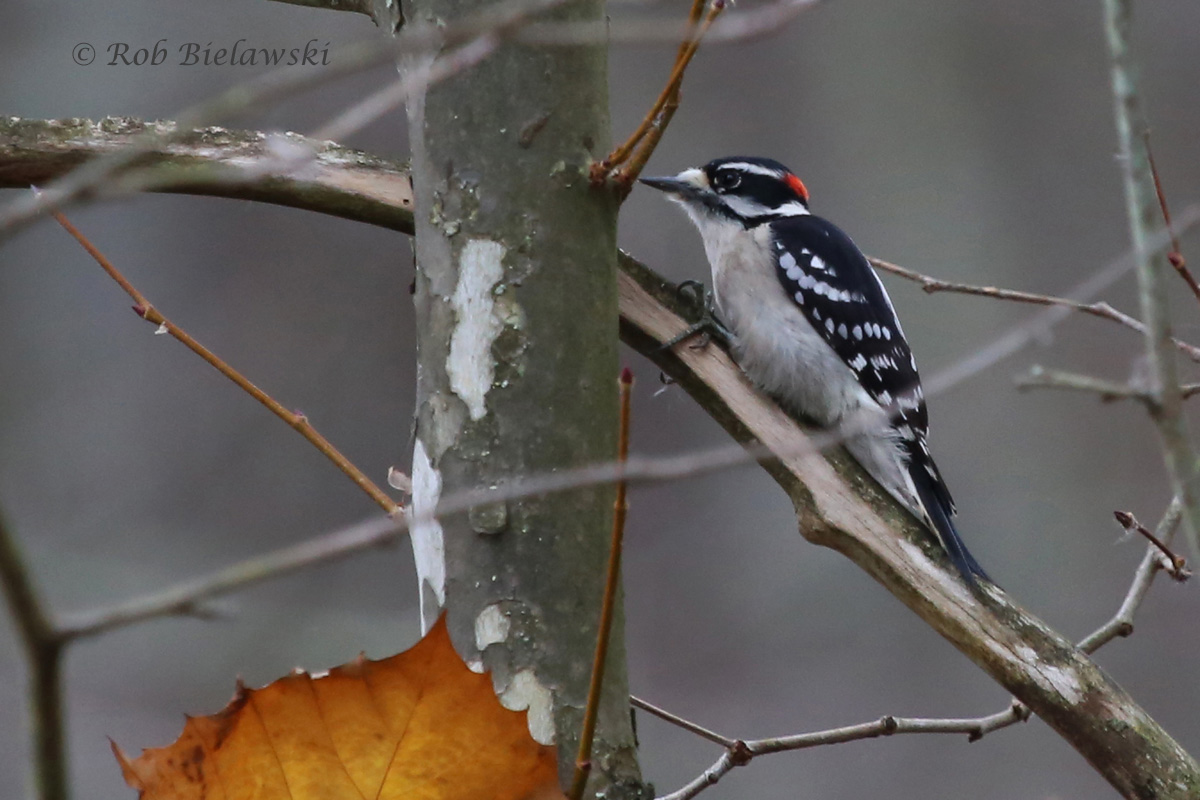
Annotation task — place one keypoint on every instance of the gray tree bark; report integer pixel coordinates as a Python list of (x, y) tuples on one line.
[(516, 309)]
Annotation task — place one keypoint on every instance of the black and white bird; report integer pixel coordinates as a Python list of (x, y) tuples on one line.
[(812, 326)]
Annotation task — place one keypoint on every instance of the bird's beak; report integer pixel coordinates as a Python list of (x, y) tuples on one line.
[(669, 185), (688, 183)]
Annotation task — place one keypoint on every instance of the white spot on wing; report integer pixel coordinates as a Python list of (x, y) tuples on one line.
[(857, 331), (829, 324), (842, 330)]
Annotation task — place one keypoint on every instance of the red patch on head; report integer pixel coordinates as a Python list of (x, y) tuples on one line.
[(797, 186)]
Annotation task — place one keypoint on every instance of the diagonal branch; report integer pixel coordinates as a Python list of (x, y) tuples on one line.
[(739, 752), (299, 422)]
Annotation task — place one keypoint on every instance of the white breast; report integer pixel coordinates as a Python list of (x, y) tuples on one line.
[(774, 342)]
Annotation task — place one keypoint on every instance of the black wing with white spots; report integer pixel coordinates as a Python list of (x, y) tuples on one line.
[(829, 279), (832, 283)]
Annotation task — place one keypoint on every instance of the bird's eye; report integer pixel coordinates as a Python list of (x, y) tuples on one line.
[(724, 181)]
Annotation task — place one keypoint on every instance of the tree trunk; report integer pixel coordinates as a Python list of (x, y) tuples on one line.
[(516, 308)]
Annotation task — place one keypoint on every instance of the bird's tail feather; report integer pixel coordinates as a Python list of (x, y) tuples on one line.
[(940, 515)]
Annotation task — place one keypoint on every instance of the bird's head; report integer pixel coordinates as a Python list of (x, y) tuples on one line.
[(740, 189)]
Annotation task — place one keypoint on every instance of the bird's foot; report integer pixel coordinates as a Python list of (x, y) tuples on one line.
[(707, 325)]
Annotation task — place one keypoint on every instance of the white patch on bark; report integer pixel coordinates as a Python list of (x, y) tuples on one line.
[(1060, 680), (1064, 682), (491, 627), (469, 365), (429, 550), (917, 557), (525, 692)]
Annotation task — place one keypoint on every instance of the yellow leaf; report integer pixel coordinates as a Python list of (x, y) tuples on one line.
[(417, 726)]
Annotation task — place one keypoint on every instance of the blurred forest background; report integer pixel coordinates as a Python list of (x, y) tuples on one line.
[(970, 140)]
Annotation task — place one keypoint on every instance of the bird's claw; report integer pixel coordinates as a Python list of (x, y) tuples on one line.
[(707, 327)]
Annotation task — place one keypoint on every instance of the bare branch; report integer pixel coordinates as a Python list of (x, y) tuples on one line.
[(739, 752), (185, 597), (43, 653), (733, 26), (1175, 256), (298, 422), (1098, 309), (690, 727), (1166, 406), (626, 162), (219, 162), (1175, 565), (1039, 377), (93, 178), (608, 604)]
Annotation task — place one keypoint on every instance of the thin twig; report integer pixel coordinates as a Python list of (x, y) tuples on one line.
[(184, 597), (687, 725), (43, 652), (583, 761), (641, 144), (1122, 622), (1099, 309), (742, 752), (1039, 377), (733, 26), (648, 143), (296, 420), (1177, 565), (619, 154), (1175, 255)]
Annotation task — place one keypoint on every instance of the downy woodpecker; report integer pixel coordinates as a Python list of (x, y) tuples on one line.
[(812, 326)]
